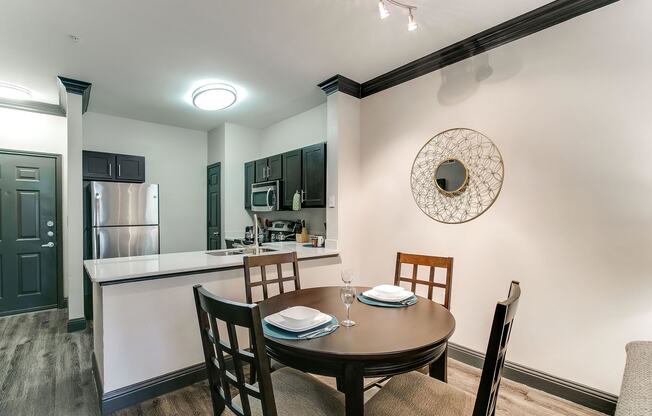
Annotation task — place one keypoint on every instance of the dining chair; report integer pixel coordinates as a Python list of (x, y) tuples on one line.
[(415, 394), (433, 262), (284, 392), (263, 262)]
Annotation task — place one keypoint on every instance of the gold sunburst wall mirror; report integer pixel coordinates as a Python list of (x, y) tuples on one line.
[(457, 175)]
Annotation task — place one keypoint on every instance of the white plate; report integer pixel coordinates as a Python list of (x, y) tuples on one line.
[(388, 290), (299, 315), (406, 294), (277, 320)]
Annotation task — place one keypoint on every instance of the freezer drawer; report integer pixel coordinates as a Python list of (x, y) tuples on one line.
[(117, 204), (108, 242)]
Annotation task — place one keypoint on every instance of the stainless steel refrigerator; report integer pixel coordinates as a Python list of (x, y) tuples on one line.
[(122, 219)]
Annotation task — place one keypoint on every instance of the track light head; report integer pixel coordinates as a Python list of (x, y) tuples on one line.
[(412, 24), (382, 9)]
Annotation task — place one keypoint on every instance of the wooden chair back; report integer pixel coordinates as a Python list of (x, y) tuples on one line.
[(277, 260), (221, 350), (433, 262), (485, 403)]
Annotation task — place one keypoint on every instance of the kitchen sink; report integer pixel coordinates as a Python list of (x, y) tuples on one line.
[(247, 251)]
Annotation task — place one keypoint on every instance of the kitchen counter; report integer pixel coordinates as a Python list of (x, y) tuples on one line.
[(125, 269)]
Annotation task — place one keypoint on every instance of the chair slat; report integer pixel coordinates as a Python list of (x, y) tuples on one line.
[(433, 263)]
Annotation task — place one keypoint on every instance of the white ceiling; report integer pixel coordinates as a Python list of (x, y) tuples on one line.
[(143, 57)]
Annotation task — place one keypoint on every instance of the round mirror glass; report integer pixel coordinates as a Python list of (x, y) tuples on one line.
[(451, 176)]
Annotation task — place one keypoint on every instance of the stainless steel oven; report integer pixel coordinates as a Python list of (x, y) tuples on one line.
[(265, 196)]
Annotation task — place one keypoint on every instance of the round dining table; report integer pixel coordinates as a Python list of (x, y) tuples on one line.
[(384, 342)]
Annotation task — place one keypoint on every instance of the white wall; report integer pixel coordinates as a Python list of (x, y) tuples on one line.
[(22, 130), (294, 132), (175, 158), (570, 110)]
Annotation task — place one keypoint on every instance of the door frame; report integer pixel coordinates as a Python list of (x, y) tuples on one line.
[(219, 166), (58, 181)]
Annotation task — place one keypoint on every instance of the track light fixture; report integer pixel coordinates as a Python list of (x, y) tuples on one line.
[(384, 11)]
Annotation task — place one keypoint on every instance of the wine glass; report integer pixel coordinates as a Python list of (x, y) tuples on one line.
[(347, 276), (347, 293)]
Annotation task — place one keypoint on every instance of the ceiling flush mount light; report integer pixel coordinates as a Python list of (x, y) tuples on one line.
[(384, 12), (14, 92), (213, 97)]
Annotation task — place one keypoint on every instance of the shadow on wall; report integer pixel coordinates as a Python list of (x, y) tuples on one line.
[(460, 81)]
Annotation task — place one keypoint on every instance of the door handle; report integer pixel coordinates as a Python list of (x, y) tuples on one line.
[(119, 174), (216, 233), (50, 244), (110, 169)]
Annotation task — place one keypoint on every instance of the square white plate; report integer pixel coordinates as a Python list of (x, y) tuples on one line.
[(406, 294), (299, 315), (388, 290), (277, 320)]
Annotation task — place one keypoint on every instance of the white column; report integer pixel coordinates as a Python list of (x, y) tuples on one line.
[(343, 181), (72, 99)]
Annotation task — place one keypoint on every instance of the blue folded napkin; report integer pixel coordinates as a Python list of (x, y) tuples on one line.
[(276, 332), (369, 301)]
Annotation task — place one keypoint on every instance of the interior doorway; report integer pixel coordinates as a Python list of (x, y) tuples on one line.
[(213, 209)]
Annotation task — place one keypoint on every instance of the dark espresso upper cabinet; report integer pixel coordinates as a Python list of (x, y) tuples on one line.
[(291, 177), (269, 169), (99, 166), (302, 170), (275, 168), (250, 177), (129, 168), (314, 176)]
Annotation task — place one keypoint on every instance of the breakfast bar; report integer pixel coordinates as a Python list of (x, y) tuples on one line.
[(144, 318)]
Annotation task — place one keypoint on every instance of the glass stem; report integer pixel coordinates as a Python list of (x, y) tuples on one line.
[(348, 308)]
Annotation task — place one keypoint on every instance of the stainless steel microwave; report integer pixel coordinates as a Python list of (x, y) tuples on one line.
[(265, 196)]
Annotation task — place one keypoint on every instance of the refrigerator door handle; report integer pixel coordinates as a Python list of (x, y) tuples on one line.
[(97, 244)]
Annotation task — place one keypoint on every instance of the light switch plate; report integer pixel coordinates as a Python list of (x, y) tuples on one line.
[(331, 201)]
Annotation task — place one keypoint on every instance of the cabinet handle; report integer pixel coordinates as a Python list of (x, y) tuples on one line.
[(119, 170), (269, 172), (110, 169), (303, 196)]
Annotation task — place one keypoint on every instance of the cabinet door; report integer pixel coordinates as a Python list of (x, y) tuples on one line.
[(250, 177), (130, 168), (275, 168), (314, 175), (261, 170), (291, 177), (98, 166)]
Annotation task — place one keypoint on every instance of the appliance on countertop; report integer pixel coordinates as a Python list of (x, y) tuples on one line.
[(265, 196), (122, 219), (282, 230)]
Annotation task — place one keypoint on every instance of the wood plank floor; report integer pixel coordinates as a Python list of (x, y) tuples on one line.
[(46, 371)]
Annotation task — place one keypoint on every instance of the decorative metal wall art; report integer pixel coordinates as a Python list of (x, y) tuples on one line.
[(457, 175)]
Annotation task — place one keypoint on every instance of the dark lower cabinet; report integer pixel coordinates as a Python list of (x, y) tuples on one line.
[(98, 166), (130, 168), (314, 176), (291, 177), (250, 178)]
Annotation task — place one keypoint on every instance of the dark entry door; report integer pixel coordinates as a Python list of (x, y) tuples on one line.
[(28, 251), (213, 198)]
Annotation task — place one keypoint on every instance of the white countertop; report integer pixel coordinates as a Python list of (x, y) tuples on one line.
[(126, 268)]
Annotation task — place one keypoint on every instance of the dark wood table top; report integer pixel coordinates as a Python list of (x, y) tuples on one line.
[(379, 332)]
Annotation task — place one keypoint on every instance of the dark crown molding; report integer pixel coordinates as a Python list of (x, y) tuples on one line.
[(342, 84), (519, 27), (83, 88)]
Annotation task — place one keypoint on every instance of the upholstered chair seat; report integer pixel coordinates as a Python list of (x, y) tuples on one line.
[(299, 394), (416, 394)]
